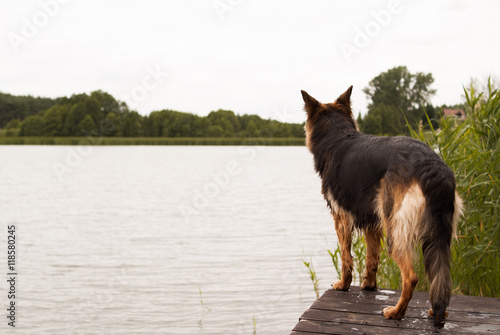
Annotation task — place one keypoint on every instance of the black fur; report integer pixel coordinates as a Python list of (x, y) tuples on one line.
[(352, 164)]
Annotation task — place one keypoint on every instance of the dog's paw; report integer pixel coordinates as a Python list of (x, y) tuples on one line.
[(430, 313), (340, 286), (391, 313), (369, 285)]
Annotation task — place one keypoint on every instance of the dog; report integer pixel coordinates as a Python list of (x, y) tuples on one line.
[(372, 183)]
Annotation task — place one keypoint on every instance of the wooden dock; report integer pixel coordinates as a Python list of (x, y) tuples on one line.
[(360, 312)]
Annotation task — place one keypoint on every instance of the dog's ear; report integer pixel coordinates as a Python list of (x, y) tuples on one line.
[(345, 98), (311, 103)]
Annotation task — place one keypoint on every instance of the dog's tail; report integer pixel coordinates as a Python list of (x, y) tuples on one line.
[(442, 210)]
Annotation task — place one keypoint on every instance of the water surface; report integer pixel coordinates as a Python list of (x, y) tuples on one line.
[(122, 240)]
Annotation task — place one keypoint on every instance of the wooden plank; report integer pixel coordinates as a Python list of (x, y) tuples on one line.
[(475, 304), (322, 327), (377, 320), (460, 304), (413, 312), (360, 312), (332, 328), (420, 299)]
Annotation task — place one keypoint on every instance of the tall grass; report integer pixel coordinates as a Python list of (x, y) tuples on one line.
[(359, 252), (471, 147), (204, 306), (312, 275)]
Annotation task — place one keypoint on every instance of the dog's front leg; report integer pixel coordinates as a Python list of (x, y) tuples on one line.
[(372, 237), (343, 227)]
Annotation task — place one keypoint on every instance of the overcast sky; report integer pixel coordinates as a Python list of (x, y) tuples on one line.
[(250, 56)]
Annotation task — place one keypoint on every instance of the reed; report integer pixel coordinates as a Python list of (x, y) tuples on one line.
[(312, 275), (204, 307)]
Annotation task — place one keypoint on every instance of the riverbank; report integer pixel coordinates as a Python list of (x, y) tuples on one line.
[(292, 141)]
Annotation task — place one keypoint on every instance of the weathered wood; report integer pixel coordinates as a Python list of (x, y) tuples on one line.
[(360, 312)]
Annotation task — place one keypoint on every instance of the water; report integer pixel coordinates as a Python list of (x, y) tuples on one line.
[(122, 240)]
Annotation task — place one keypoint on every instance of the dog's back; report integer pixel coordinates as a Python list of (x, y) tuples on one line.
[(395, 182)]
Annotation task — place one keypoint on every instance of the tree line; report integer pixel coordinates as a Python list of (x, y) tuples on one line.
[(101, 114), (398, 99)]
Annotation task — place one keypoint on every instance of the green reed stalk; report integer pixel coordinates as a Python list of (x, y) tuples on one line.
[(312, 276)]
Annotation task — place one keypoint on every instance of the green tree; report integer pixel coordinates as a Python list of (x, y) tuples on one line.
[(383, 120), (153, 124), (86, 126), (75, 115), (13, 124), (215, 131), (106, 101), (200, 126), (372, 123), (251, 129), (227, 120), (53, 120), (93, 108), (131, 124), (20, 107), (111, 125), (177, 124), (32, 126), (399, 90), (13, 127), (297, 130)]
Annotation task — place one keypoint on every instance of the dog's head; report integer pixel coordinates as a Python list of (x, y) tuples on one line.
[(322, 115)]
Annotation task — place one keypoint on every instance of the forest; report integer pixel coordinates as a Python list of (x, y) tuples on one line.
[(398, 99), (100, 114)]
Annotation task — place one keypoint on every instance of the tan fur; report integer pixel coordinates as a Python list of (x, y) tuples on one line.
[(402, 225), (459, 209), (406, 218), (337, 210), (379, 200), (308, 132), (344, 225), (409, 279), (406, 214), (372, 237)]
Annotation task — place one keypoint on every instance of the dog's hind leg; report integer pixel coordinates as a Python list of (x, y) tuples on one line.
[(403, 208), (343, 226), (409, 279), (372, 237)]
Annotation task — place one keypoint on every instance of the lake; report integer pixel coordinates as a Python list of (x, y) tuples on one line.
[(162, 239)]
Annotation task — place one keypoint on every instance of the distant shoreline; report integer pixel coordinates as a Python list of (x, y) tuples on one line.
[(292, 141)]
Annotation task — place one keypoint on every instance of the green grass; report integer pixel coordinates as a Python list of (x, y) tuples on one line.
[(149, 141), (204, 307), (312, 275)]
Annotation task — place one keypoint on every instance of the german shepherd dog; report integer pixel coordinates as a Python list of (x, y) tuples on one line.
[(398, 184)]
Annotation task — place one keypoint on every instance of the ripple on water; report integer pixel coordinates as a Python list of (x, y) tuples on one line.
[(118, 246)]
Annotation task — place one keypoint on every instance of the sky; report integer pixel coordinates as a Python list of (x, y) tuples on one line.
[(249, 56)]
